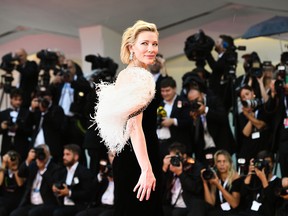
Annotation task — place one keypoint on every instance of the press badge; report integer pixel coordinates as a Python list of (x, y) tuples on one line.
[(285, 123), (225, 206), (255, 205), (256, 135)]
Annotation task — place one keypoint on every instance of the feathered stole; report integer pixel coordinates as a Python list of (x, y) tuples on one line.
[(119, 102)]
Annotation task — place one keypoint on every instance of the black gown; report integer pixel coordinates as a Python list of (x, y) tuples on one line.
[(126, 171)]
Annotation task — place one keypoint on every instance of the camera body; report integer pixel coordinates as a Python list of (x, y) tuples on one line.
[(44, 102), (105, 169), (104, 69), (208, 174), (60, 185), (40, 153), (261, 164), (198, 45), (48, 59), (13, 155), (194, 106), (176, 160)]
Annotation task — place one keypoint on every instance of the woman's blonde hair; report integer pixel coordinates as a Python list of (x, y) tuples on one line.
[(231, 169), (130, 35)]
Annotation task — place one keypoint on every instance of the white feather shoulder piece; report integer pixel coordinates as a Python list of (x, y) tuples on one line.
[(129, 95)]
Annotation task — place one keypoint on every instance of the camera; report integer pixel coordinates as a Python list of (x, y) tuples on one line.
[(8, 65), (176, 160), (282, 78), (161, 113), (105, 169), (261, 164), (256, 69), (198, 45), (103, 69), (40, 153), (208, 174), (64, 71), (48, 59), (8, 62), (13, 155), (252, 103), (44, 102), (194, 106), (60, 185)]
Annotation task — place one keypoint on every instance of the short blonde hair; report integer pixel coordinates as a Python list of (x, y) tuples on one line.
[(130, 35)]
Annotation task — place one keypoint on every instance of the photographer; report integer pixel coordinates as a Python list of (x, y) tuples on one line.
[(220, 77), (72, 184), (277, 107), (46, 121), (183, 192), (173, 122), (211, 129), (70, 93), (29, 73), (222, 186), (253, 74), (14, 132), (253, 125), (39, 171), (11, 184), (102, 201), (258, 190)]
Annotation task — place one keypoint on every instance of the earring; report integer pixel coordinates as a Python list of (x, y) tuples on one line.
[(131, 56)]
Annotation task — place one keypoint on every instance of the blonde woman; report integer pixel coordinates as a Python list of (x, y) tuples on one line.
[(222, 189), (126, 118)]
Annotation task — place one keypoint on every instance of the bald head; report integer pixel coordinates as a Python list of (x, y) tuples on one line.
[(22, 55)]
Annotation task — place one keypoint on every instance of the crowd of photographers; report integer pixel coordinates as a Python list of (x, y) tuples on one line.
[(216, 115)]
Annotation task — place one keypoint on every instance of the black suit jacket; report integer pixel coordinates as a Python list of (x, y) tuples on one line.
[(30, 172), (81, 88), (182, 132), (81, 184), (21, 142), (218, 127), (52, 128)]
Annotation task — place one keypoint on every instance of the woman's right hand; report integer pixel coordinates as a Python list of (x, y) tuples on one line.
[(146, 183)]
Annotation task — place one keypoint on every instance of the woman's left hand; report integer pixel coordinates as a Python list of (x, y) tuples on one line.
[(146, 183)]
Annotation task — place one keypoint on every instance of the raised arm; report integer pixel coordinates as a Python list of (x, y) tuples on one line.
[(147, 181)]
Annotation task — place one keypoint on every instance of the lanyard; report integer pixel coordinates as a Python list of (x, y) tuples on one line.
[(220, 193), (285, 104)]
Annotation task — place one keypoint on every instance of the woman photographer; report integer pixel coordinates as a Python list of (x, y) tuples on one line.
[(11, 184), (253, 130), (259, 191), (222, 189)]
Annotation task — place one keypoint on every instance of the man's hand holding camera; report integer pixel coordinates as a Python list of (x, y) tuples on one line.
[(176, 168), (61, 190), (197, 108)]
